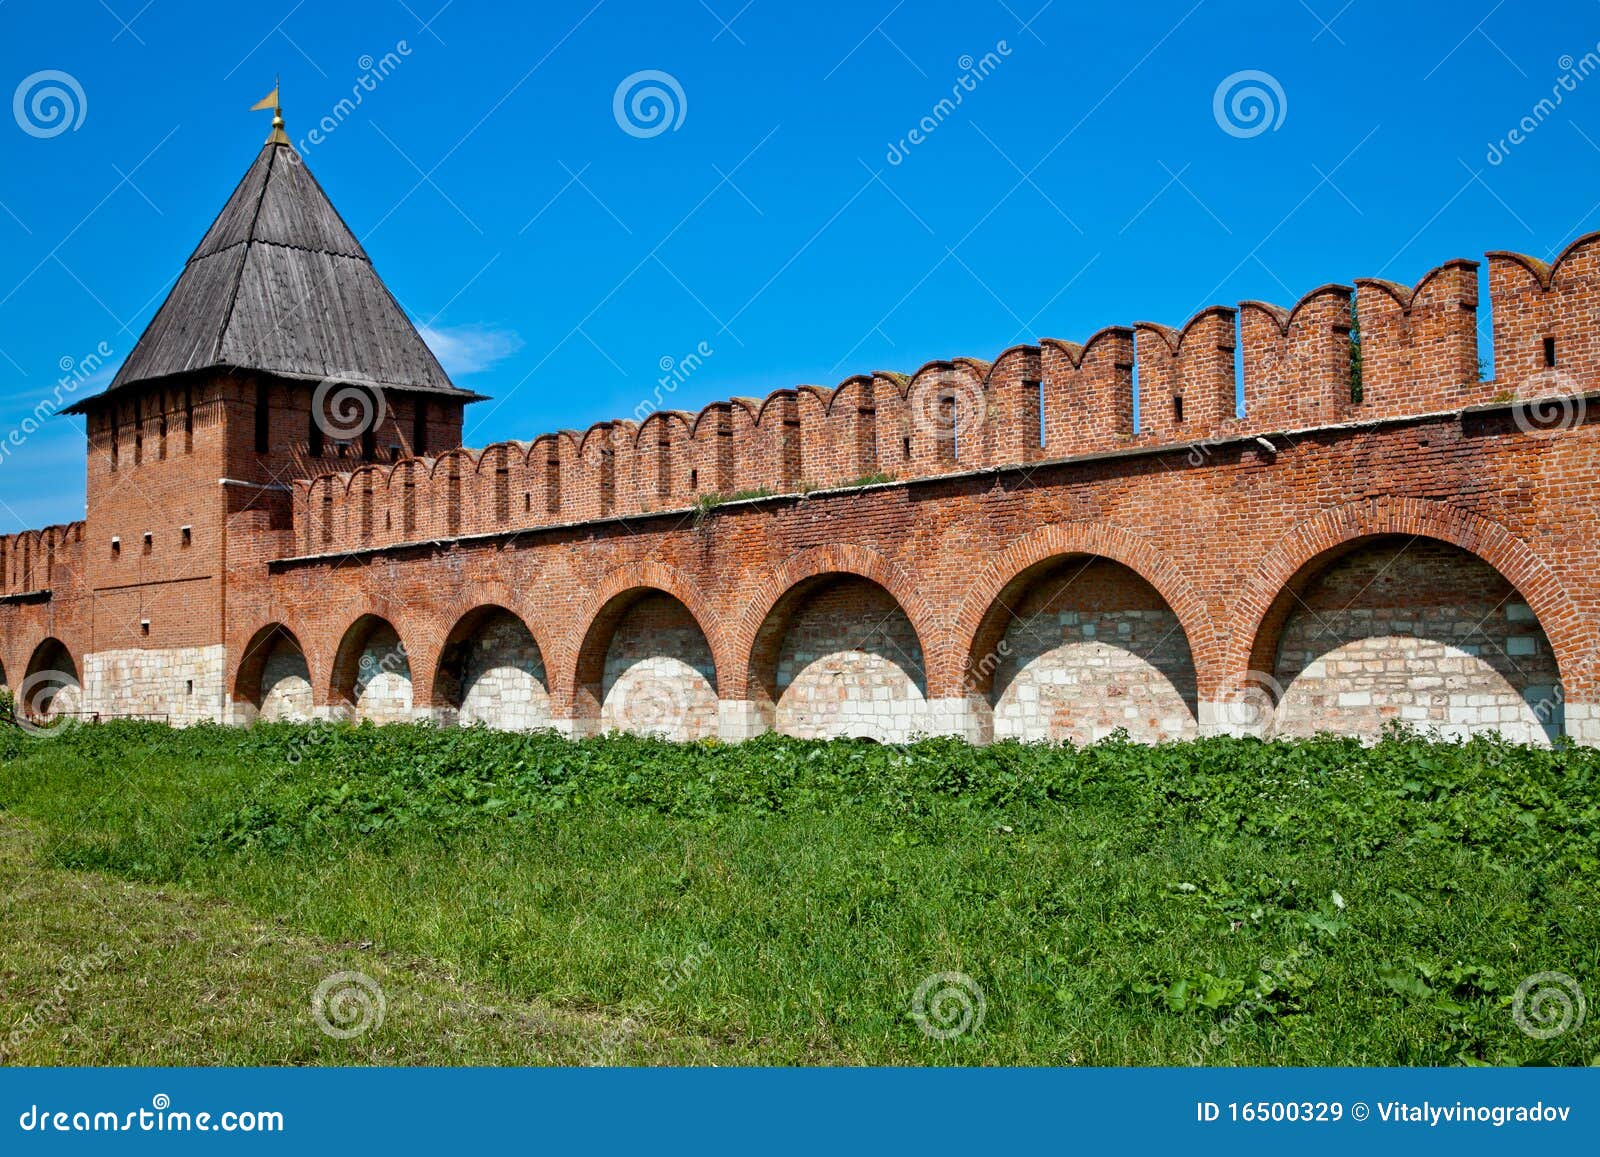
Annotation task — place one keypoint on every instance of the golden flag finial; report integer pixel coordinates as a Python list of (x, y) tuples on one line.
[(277, 136)]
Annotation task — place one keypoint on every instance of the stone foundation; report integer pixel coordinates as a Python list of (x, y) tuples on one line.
[(850, 665), (383, 679), (659, 675), (285, 684), (178, 685), (1421, 633), (1093, 648), (501, 681)]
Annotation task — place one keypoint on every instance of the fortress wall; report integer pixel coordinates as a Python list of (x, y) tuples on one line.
[(1419, 347), (1088, 393), (1186, 378), (1224, 538), (1547, 320), (1297, 361)]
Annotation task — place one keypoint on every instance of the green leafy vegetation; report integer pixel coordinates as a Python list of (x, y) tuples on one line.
[(706, 503), (1224, 901), (1356, 386)]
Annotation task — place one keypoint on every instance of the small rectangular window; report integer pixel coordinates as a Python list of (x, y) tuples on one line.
[(186, 535), (263, 419), (116, 547), (905, 446), (1549, 351), (149, 541), (314, 436), (144, 626), (419, 430), (188, 688), (1177, 408)]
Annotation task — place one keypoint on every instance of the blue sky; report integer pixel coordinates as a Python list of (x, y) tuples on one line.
[(557, 256)]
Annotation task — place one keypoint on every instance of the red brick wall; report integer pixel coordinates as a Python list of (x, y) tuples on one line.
[(559, 529)]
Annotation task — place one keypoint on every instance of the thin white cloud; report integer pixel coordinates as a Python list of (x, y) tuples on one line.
[(469, 349), (63, 389)]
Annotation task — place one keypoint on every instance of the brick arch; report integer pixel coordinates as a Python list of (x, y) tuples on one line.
[(798, 571), (575, 674), (38, 653), (981, 621), (492, 593), (244, 680), (344, 664), (34, 693), (1261, 608), (466, 616)]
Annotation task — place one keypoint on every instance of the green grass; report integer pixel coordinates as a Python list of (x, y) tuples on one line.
[(1225, 901)]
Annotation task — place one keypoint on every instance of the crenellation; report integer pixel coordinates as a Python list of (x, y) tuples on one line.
[(1416, 552), (1186, 376), (1419, 347), (1012, 407), (1087, 392), (1297, 361), (1418, 351), (1547, 320)]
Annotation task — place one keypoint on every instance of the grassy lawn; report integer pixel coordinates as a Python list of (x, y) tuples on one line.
[(523, 899)]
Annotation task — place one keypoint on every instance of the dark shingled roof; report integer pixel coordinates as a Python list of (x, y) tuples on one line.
[(280, 285)]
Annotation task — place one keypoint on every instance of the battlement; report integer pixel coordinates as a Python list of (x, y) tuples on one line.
[(1296, 368), (31, 560)]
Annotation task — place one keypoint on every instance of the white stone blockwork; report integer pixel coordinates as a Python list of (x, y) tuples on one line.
[(851, 666), (1078, 675), (1583, 723), (659, 676), (1420, 633), (741, 719), (1090, 648), (502, 678), (178, 685), (383, 679), (285, 685)]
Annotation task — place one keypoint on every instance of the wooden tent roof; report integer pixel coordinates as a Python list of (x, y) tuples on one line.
[(280, 285)]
